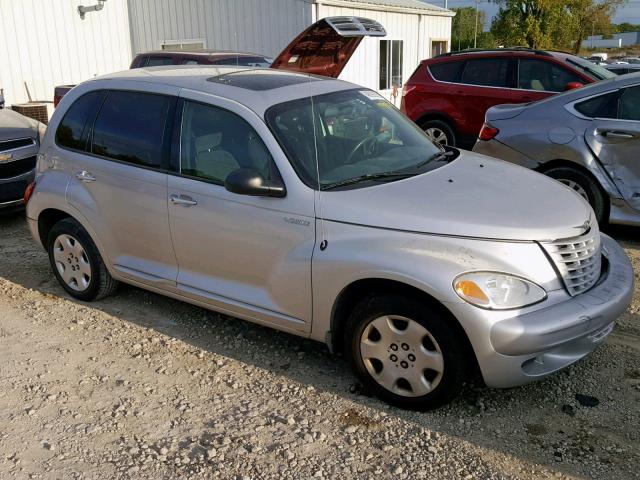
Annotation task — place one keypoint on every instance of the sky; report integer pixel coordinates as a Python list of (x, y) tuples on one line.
[(629, 13)]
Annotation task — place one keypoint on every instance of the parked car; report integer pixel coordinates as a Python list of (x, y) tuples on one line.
[(448, 95), (588, 139), (314, 206), (632, 60), (200, 57), (623, 69), (19, 143)]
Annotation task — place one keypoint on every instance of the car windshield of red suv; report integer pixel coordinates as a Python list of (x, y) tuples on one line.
[(591, 69)]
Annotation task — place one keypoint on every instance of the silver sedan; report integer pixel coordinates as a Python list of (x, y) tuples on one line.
[(589, 139)]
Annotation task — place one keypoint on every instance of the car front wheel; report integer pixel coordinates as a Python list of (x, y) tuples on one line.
[(405, 352), (76, 262)]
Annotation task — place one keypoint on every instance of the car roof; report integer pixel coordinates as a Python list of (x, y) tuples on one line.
[(199, 53), (501, 52), (256, 88)]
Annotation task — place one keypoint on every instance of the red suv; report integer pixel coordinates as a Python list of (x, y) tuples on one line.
[(448, 95)]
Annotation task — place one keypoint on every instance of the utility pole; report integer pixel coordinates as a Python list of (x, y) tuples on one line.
[(475, 33)]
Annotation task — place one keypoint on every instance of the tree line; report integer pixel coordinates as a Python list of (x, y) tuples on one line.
[(543, 24)]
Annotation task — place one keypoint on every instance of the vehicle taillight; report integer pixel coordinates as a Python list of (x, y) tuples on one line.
[(28, 192), (488, 132)]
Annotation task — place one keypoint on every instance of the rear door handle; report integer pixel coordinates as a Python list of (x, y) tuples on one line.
[(85, 176), (616, 134), (184, 200)]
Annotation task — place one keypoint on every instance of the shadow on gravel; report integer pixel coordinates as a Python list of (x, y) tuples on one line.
[(530, 422)]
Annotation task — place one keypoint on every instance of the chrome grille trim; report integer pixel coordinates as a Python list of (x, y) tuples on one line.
[(16, 144), (578, 259)]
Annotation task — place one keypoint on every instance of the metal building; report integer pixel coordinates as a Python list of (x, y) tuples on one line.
[(44, 43)]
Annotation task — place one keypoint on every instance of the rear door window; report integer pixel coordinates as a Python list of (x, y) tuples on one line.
[(488, 72), (544, 76), (446, 72), (131, 127), (74, 128), (629, 104)]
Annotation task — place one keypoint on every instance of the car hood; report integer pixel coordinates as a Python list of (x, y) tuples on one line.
[(473, 196), (13, 125)]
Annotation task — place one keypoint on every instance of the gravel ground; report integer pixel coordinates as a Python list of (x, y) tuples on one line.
[(141, 386)]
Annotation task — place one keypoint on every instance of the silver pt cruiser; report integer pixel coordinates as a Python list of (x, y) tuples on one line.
[(314, 206)]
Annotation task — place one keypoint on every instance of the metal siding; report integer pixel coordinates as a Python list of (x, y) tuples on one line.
[(249, 25), (46, 44), (415, 30)]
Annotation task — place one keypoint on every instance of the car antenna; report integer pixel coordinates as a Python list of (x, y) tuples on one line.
[(324, 243)]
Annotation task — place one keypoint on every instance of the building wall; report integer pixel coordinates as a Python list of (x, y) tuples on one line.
[(260, 26), (416, 31), (45, 43)]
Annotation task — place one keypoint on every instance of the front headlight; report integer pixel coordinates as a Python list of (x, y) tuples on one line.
[(497, 291)]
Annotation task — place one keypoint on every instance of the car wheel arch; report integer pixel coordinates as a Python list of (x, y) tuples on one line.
[(48, 217), (435, 115), (358, 290)]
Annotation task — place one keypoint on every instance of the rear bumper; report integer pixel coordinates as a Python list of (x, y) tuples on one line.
[(533, 345)]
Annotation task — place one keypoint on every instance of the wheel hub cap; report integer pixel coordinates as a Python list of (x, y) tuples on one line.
[(72, 262), (401, 355)]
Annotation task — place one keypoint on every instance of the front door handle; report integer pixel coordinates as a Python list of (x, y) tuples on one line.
[(184, 200), (85, 176), (616, 134)]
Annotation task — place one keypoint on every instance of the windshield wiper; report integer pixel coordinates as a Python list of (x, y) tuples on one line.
[(438, 157), (367, 177)]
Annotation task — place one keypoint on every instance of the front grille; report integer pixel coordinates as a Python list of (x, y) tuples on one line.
[(15, 144), (578, 260), (17, 167)]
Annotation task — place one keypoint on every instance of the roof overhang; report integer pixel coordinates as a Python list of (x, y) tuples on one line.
[(364, 5)]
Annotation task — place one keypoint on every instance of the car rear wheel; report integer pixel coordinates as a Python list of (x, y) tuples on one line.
[(405, 352), (76, 262), (439, 132), (584, 186)]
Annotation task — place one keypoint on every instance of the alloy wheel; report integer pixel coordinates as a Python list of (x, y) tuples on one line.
[(72, 262), (576, 187), (437, 136), (401, 355)]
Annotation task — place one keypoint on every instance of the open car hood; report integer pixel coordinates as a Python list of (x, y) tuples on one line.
[(326, 46)]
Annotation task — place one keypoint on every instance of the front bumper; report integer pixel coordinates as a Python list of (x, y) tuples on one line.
[(12, 191), (535, 344)]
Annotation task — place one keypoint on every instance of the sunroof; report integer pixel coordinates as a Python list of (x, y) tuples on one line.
[(260, 80)]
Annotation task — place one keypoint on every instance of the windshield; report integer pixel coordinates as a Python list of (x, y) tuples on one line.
[(591, 69), (358, 134)]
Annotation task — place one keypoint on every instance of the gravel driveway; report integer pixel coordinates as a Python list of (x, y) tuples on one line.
[(141, 386)]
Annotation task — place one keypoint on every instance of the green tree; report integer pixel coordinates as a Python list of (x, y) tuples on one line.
[(463, 28), (551, 23)]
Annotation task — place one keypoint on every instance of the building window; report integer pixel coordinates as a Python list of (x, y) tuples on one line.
[(438, 47), (390, 64), (184, 45)]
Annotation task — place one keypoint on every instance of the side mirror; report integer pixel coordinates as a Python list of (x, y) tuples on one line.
[(247, 181), (573, 86)]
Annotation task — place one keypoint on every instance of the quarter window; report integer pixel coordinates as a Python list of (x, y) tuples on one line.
[(130, 127), (489, 72), (159, 61), (215, 142), (74, 127), (544, 76), (603, 106), (390, 64)]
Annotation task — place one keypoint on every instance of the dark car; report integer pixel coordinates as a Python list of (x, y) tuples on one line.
[(623, 68), (448, 95), (19, 143), (200, 57), (180, 57)]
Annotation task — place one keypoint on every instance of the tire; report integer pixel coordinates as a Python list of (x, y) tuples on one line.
[(76, 262), (585, 186), (432, 126), (425, 389)]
